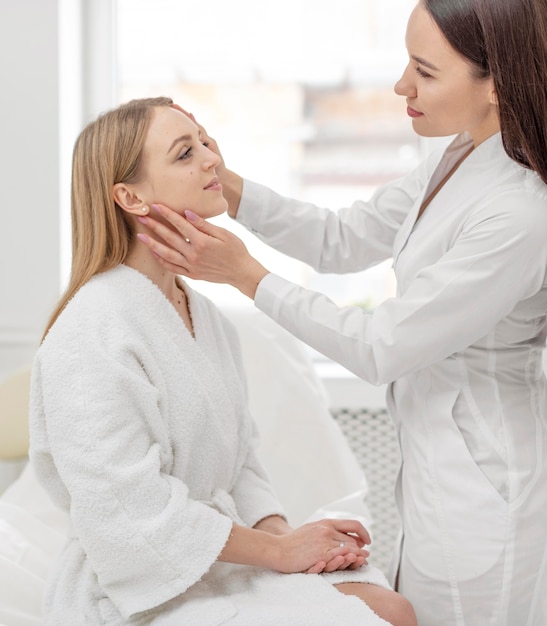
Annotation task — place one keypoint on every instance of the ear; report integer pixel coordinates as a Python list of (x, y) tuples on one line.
[(128, 199), (494, 96)]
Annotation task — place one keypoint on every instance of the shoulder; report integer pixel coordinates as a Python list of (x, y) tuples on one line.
[(506, 193), (104, 310), (519, 201)]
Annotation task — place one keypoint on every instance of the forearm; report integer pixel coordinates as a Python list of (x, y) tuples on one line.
[(346, 240), (250, 546)]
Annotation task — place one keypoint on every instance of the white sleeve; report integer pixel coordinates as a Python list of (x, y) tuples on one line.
[(252, 493), (348, 240), (499, 259)]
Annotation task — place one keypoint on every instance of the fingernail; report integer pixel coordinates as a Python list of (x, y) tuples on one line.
[(191, 216), (156, 207), (142, 237), (141, 219)]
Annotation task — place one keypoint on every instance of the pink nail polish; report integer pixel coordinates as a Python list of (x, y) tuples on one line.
[(191, 216), (141, 219), (142, 237)]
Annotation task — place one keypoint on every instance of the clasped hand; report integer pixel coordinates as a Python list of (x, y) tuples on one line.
[(323, 546)]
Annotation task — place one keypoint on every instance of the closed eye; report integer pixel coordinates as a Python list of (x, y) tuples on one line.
[(185, 155), (422, 73)]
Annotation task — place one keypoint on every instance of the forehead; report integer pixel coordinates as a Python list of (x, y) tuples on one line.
[(425, 39), (166, 125)]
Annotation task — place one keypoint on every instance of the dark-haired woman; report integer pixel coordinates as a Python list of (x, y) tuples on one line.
[(461, 344)]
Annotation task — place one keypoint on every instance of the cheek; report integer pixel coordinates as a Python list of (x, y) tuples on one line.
[(445, 104)]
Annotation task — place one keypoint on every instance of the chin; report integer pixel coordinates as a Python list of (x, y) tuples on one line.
[(431, 132), (219, 209), (421, 131)]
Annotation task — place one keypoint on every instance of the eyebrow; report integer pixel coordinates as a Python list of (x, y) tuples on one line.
[(424, 62), (179, 140)]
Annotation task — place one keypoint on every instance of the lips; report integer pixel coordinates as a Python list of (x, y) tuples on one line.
[(213, 184), (413, 113)]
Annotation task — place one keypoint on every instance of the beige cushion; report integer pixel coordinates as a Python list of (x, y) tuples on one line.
[(14, 403)]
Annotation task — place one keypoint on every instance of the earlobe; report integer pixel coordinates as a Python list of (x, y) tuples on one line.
[(126, 199), (494, 98)]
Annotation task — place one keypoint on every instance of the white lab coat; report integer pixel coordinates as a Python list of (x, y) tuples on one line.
[(461, 347)]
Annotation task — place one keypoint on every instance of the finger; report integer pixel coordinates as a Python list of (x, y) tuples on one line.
[(348, 540), (179, 108), (166, 235), (346, 550), (334, 564), (179, 223), (360, 561), (348, 560), (172, 259), (203, 225), (317, 568), (354, 528), (189, 225)]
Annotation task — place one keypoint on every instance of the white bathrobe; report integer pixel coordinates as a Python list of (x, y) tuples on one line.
[(142, 433), (461, 346)]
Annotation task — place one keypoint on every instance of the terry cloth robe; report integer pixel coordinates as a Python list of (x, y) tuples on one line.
[(141, 432), (461, 348)]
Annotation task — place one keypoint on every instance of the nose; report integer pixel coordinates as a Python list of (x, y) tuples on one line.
[(406, 86), (211, 159)]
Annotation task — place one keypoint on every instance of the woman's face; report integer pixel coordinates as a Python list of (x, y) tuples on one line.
[(443, 97), (179, 170)]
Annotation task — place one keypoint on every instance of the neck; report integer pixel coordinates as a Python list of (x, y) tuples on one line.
[(486, 132), (139, 258)]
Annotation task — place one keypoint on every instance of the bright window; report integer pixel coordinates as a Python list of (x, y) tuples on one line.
[(298, 94)]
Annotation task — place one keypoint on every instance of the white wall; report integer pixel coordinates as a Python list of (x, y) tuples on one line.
[(49, 89), (29, 166)]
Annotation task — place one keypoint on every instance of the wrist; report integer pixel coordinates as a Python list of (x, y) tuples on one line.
[(274, 524), (232, 189), (268, 550), (248, 280), (251, 546)]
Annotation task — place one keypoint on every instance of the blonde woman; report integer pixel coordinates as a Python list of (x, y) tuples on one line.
[(139, 424)]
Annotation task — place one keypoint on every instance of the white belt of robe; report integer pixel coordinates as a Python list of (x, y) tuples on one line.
[(223, 502)]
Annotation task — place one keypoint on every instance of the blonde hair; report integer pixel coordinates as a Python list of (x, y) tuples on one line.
[(107, 151)]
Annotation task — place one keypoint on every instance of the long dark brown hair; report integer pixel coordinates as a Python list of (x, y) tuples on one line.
[(506, 40)]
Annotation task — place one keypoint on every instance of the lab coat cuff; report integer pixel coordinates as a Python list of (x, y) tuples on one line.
[(270, 294)]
